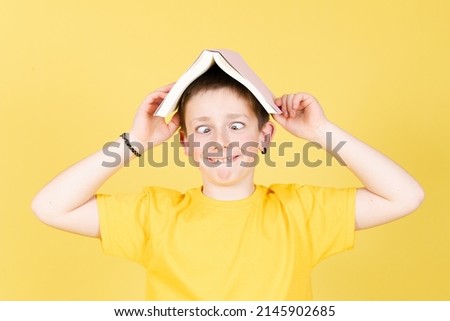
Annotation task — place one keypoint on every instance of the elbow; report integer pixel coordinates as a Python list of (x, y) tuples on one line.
[(415, 199), (419, 198), (36, 207), (39, 209)]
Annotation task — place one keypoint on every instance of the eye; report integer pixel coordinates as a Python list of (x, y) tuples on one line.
[(237, 126), (202, 129)]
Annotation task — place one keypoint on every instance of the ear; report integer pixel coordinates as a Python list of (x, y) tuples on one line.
[(266, 134), (184, 142)]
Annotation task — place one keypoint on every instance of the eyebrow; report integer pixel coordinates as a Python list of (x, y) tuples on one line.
[(229, 116)]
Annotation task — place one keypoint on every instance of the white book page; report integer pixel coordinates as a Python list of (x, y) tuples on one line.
[(202, 64)]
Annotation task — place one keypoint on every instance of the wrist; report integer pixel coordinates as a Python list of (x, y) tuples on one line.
[(135, 145), (320, 134)]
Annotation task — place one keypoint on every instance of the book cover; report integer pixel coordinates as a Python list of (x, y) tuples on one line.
[(230, 62)]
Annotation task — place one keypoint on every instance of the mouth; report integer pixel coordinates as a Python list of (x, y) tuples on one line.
[(221, 160)]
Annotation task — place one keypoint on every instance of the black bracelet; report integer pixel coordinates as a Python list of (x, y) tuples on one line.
[(127, 142)]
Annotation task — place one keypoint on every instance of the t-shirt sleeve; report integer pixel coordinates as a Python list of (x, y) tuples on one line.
[(124, 224), (329, 217)]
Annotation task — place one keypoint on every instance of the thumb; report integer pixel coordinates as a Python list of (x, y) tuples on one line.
[(174, 123), (280, 118)]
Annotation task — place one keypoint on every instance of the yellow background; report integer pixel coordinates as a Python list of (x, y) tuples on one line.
[(72, 74)]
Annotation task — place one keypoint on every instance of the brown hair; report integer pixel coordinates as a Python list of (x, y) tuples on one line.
[(215, 78)]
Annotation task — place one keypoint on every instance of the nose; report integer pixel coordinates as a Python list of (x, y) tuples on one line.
[(222, 140), (218, 145)]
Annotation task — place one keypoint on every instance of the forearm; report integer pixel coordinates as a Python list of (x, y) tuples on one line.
[(378, 174), (77, 184), (389, 191)]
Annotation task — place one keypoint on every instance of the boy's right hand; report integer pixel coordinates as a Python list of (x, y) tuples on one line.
[(78, 212), (148, 128)]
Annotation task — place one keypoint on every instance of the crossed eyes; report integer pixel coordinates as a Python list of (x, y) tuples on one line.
[(204, 129)]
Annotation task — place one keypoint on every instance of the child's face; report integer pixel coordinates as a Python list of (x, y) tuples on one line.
[(223, 134)]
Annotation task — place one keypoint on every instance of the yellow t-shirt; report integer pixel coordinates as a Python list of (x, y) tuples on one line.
[(259, 248)]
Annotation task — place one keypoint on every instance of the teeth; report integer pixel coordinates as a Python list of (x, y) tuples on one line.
[(220, 160)]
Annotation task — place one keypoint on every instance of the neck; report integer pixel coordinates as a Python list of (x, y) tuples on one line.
[(228, 192)]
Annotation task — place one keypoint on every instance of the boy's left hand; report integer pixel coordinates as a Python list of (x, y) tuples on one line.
[(302, 115)]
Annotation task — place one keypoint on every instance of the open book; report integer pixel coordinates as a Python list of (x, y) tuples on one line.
[(230, 62)]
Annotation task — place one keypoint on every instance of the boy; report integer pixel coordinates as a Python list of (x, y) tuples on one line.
[(229, 239)]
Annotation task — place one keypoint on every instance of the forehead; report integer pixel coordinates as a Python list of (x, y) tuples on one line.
[(217, 103)]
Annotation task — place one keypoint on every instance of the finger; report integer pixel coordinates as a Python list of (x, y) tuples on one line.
[(152, 101), (303, 100), (166, 88), (278, 101), (284, 105), (297, 103), (159, 96), (290, 105)]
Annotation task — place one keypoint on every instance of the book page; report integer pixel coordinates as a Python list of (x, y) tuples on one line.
[(200, 66)]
